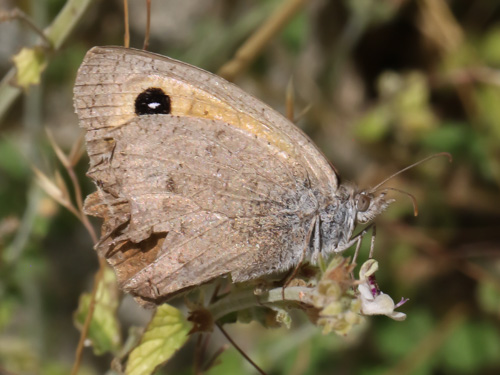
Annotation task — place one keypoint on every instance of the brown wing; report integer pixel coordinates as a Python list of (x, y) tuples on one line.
[(110, 78), (204, 199), (222, 185)]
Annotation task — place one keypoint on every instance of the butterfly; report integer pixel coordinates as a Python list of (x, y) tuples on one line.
[(197, 179)]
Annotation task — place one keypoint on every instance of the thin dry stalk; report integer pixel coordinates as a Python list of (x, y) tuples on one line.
[(148, 25), (126, 37), (69, 163), (200, 352), (88, 318), (59, 192), (249, 360), (212, 361), (252, 47), (439, 25), (290, 101), (23, 17)]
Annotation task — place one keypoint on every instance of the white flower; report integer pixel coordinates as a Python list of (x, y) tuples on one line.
[(373, 300)]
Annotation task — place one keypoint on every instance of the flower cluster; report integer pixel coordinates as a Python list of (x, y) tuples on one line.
[(342, 301), (334, 297)]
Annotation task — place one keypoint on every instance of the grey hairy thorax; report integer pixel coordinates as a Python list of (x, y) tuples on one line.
[(337, 220)]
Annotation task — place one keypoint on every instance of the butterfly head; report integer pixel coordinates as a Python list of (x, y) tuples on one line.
[(369, 204), (350, 206)]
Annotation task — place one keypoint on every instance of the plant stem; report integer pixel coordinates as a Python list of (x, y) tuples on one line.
[(56, 34), (246, 298)]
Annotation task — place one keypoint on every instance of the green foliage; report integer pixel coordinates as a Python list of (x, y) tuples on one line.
[(229, 362), (104, 331), (11, 160), (489, 298), (164, 335), (471, 347), (393, 344), (295, 33), (30, 64), (404, 109), (489, 46)]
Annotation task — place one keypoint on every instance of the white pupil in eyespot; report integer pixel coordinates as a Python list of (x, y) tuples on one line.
[(154, 105)]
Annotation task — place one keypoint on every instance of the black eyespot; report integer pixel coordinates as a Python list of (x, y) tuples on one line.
[(363, 203), (152, 101)]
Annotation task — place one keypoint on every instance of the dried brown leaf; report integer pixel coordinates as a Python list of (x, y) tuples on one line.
[(60, 154), (48, 186), (77, 150), (54, 191), (61, 184)]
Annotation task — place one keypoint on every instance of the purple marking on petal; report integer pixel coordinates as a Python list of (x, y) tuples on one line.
[(402, 302), (374, 286)]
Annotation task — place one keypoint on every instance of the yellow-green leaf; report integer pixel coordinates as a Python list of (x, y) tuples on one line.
[(165, 334), (375, 124), (30, 63), (104, 330)]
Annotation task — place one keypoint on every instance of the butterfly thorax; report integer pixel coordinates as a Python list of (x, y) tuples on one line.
[(339, 217)]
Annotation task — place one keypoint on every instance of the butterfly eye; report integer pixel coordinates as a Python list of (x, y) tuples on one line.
[(363, 203), (152, 101)]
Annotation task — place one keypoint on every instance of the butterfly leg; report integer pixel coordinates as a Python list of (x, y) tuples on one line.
[(355, 239), (359, 238), (372, 243), (356, 252)]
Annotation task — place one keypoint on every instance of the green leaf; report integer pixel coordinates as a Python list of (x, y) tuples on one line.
[(375, 124), (229, 362), (165, 334), (30, 63), (489, 297), (454, 137), (12, 163), (463, 143), (104, 330), (395, 343), (473, 346), (294, 34), (7, 310), (489, 47), (486, 98)]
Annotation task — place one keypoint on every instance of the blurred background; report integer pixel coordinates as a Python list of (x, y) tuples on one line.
[(384, 84)]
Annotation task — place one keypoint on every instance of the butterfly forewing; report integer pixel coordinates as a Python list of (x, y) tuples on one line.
[(221, 185)]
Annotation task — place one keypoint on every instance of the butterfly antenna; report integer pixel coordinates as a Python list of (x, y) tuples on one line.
[(412, 197), (414, 165)]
